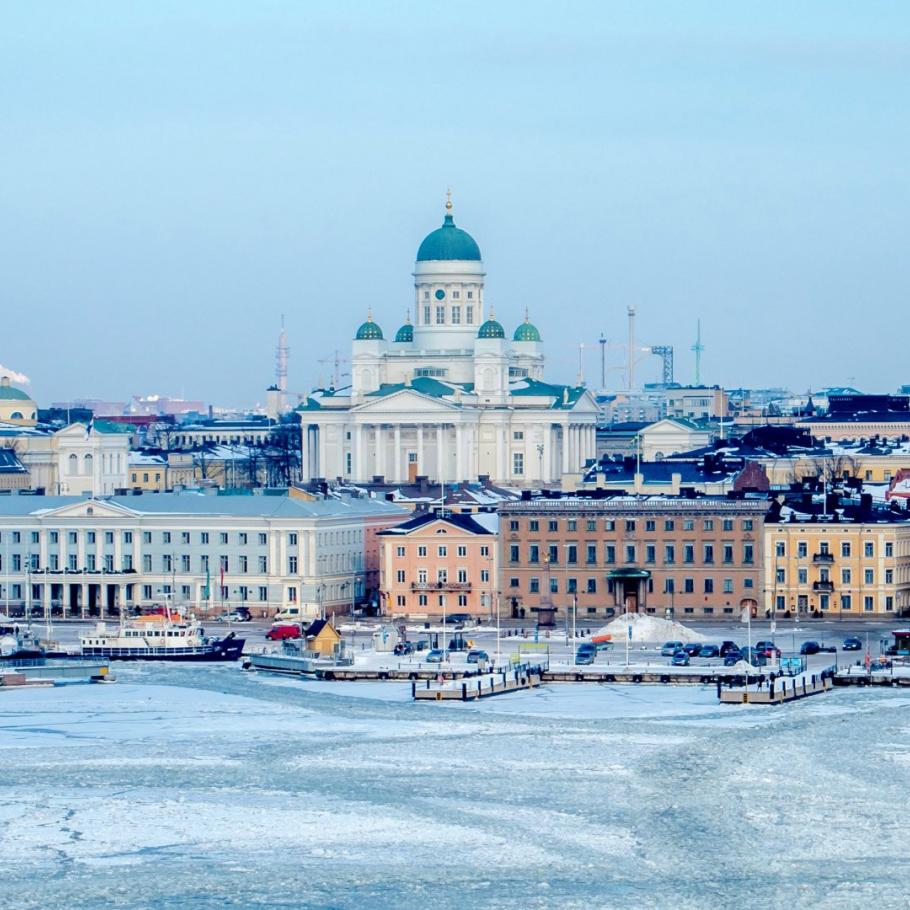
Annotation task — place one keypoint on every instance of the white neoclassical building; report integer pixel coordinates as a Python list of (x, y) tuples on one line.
[(450, 397)]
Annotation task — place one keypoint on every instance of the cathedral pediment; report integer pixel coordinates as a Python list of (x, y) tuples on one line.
[(405, 401)]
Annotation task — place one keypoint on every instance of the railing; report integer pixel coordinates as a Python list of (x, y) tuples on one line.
[(824, 586), (823, 557), (440, 586), (622, 505)]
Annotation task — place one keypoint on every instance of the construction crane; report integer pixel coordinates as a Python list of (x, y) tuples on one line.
[(665, 352), (337, 360)]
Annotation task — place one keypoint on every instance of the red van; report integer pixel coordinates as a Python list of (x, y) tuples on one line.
[(283, 631)]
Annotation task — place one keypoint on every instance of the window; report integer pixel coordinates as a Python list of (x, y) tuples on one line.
[(222, 537), (669, 554), (263, 565), (709, 553), (518, 434), (553, 554), (55, 537), (422, 598), (533, 553), (461, 550), (533, 525), (440, 315), (442, 550), (534, 585), (689, 524), (650, 553), (846, 576), (728, 553), (781, 602), (513, 552), (243, 562), (146, 562), (781, 576), (571, 554), (845, 548), (571, 524), (553, 525), (165, 536), (747, 583), (262, 540), (421, 551), (802, 549), (689, 585), (513, 582), (146, 537), (846, 602), (728, 524), (485, 551), (518, 463), (609, 554), (399, 551), (630, 526), (869, 549), (513, 525), (748, 554), (668, 524), (689, 553), (780, 548), (609, 524), (456, 315), (709, 586), (668, 586), (292, 594), (747, 524), (400, 576), (889, 603), (243, 538), (591, 586), (484, 576), (572, 586), (889, 576), (630, 552), (462, 598), (426, 313), (263, 592), (185, 562), (591, 554), (225, 563), (889, 549), (869, 576), (469, 312), (554, 585), (292, 539), (803, 576), (592, 524), (709, 524), (650, 524), (868, 604), (204, 537), (292, 565)]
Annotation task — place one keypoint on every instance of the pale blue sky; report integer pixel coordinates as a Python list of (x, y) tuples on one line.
[(178, 174)]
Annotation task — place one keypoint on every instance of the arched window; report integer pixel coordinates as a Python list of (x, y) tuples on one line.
[(87, 463), (16, 415), (73, 464)]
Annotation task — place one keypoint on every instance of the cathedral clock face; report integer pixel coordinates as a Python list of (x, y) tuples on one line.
[(440, 294)]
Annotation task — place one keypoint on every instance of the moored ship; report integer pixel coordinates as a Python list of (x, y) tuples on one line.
[(159, 638)]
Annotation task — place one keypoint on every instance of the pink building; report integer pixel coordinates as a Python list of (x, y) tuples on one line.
[(434, 564)]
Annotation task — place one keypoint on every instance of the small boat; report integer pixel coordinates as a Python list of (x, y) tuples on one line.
[(159, 637)]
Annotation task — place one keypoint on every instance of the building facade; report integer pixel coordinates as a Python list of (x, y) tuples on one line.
[(449, 398), (439, 563), (82, 556), (837, 568), (694, 557)]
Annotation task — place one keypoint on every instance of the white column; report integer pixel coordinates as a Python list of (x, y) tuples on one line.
[(547, 453), (502, 449), (565, 450), (357, 452), (459, 460), (380, 450), (322, 469), (397, 476), (440, 477), (421, 467)]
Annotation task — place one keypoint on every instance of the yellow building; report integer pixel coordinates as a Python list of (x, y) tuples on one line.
[(870, 464), (16, 406), (837, 568), (148, 473), (322, 637)]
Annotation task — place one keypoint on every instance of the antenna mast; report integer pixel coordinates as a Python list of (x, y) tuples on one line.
[(698, 347), (281, 365), (630, 311)]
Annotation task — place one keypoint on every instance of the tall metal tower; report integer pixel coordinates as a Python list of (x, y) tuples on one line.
[(602, 341), (630, 312), (698, 347), (281, 364), (665, 352)]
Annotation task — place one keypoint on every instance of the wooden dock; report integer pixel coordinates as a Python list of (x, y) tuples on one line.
[(778, 691), (486, 686)]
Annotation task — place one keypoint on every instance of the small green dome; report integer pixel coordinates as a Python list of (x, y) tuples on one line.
[(526, 332), (447, 243), (405, 335), (491, 329), (369, 331), (11, 393)]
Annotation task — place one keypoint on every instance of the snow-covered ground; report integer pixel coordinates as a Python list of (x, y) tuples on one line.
[(209, 788)]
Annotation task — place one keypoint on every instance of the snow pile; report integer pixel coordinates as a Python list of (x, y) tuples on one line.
[(647, 628)]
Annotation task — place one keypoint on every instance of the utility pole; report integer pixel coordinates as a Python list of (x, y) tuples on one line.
[(603, 361), (698, 347)]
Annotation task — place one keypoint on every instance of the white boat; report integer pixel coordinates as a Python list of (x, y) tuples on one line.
[(159, 638)]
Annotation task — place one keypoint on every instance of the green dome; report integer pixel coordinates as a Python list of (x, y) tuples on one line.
[(448, 242), (491, 329), (10, 393), (526, 332), (369, 331), (405, 335)]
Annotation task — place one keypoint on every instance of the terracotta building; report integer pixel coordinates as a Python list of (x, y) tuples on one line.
[(435, 564), (692, 556)]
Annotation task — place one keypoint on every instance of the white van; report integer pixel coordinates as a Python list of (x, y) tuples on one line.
[(294, 613)]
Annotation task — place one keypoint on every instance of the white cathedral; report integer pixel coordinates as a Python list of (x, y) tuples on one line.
[(449, 398)]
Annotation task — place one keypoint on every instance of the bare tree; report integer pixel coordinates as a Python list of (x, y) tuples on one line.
[(834, 467)]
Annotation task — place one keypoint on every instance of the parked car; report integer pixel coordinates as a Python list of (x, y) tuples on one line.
[(709, 651), (733, 657), (853, 644), (421, 645), (692, 648), (670, 648), (809, 647), (241, 614), (477, 656), (726, 646), (403, 647), (586, 653), (284, 631), (679, 659), (456, 618), (435, 656), (754, 656), (767, 648)]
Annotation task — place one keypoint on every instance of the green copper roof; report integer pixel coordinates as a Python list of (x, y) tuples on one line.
[(526, 332), (491, 329), (369, 331), (448, 242), (10, 393), (405, 335)]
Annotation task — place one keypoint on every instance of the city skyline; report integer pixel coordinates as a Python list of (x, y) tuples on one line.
[(185, 177)]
